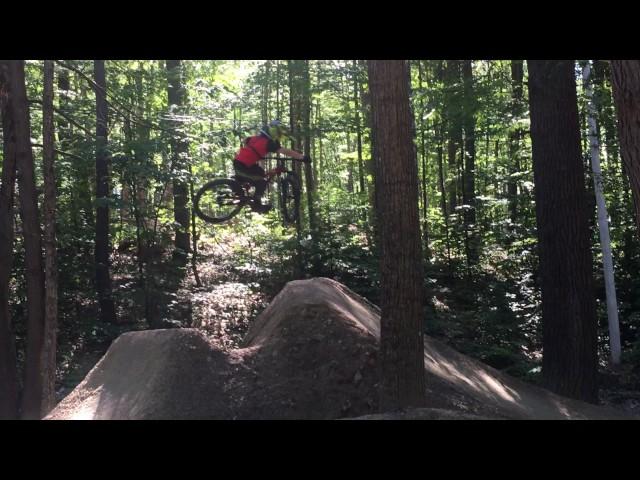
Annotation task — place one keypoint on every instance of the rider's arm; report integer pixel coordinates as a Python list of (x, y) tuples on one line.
[(291, 153)]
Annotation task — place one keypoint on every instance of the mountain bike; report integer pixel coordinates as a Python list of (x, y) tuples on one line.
[(222, 199)]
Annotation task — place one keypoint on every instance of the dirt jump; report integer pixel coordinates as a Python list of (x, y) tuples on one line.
[(311, 354)]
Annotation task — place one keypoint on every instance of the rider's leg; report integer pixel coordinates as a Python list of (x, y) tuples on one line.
[(255, 174), (261, 186)]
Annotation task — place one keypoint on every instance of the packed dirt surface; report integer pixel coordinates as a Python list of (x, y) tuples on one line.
[(311, 354), (422, 414)]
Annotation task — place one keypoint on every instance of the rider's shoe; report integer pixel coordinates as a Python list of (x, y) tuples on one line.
[(260, 208)]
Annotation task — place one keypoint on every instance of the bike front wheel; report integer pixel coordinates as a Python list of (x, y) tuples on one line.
[(219, 200), (290, 191)]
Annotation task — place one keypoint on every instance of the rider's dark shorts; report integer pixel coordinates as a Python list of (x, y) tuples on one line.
[(254, 172)]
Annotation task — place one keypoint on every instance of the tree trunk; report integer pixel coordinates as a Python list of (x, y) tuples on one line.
[(603, 223), (369, 165), (443, 191), (18, 110), (356, 100), (295, 117), (517, 74), (350, 165), (51, 259), (401, 339), (9, 407), (317, 141), (264, 86), (568, 308), (454, 129), (469, 185), (194, 235), (102, 250), (140, 150), (440, 132), (180, 150), (603, 96), (64, 129), (278, 90), (423, 155), (625, 76), (306, 127)]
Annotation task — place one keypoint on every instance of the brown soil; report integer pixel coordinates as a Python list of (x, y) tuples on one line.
[(311, 354)]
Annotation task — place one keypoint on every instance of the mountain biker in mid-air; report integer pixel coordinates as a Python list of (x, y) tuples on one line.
[(255, 149)]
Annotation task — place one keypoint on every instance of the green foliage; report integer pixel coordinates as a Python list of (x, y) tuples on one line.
[(490, 310)]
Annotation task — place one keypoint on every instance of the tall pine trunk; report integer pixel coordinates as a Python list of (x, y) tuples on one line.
[(365, 97), (356, 101), (443, 191), (603, 222), (295, 71), (194, 236), (454, 129), (9, 407), (423, 156), (401, 338), (469, 185), (32, 406), (51, 260), (440, 133), (306, 131), (102, 248), (625, 76), (517, 75), (569, 321), (180, 149)]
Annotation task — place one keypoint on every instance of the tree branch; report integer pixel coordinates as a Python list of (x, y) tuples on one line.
[(66, 117), (132, 115), (61, 152)]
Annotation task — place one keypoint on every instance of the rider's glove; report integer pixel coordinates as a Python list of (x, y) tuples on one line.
[(307, 159)]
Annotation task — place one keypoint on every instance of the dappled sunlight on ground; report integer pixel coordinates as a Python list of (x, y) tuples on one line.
[(225, 310), (310, 354), (225, 303), (87, 410), (480, 381)]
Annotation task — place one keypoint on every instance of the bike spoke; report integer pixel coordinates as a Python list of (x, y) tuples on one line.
[(290, 201), (219, 202)]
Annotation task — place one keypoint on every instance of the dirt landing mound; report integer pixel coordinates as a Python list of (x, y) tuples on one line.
[(153, 374), (310, 354), (422, 414)]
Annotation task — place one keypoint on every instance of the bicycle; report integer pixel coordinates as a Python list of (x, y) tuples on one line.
[(222, 199)]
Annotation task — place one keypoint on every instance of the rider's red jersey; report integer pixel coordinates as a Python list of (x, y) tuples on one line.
[(255, 149)]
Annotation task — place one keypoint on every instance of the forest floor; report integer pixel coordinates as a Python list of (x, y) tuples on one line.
[(232, 294), (229, 297), (311, 354)]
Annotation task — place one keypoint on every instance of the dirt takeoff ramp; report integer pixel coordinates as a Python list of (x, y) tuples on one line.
[(310, 354)]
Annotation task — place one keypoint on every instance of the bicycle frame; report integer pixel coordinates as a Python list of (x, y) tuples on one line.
[(243, 195), (274, 172), (279, 169)]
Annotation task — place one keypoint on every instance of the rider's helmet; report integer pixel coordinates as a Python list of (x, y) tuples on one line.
[(276, 131)]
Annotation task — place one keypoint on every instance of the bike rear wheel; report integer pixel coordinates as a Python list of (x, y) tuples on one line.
[(290, 196), (219, 200)]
